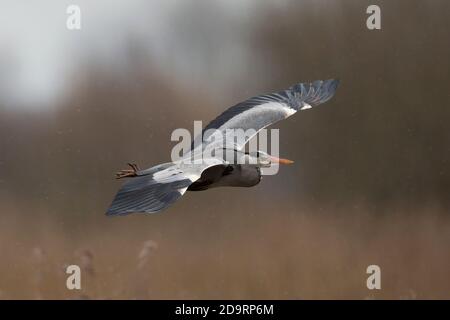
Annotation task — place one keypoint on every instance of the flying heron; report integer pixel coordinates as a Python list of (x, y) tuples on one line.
[(154, 189)]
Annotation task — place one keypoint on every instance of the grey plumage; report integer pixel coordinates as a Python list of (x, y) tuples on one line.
[(261, 111), (156, 188), (231, 175), (144, 194), (295, 97)]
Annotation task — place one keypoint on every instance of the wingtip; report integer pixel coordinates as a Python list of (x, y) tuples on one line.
[(118, 213), (333, 83), (316, 92), (110, 213), (113, 212)]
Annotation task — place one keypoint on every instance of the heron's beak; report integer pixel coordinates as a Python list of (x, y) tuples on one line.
[(281, 160)]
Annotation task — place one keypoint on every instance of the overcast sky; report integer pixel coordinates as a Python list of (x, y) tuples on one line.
[(38, 52)]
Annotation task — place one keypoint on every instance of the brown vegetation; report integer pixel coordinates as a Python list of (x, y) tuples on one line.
[(370, 185)]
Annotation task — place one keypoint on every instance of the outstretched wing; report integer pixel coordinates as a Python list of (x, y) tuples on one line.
[(156, 188), (259, 112)]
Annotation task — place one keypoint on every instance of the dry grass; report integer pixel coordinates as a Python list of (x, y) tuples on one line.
[(294, 254)]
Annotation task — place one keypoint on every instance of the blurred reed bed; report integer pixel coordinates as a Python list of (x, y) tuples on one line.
[(292, 254)]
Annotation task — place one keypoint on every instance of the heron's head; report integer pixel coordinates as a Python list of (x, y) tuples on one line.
[(266, 160)]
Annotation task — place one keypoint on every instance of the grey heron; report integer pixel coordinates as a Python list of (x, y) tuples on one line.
[(154, 189)]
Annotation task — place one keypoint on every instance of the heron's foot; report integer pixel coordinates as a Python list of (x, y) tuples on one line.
[(126, 173)]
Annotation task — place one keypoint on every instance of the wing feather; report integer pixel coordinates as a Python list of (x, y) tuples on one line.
[(157, 188), (261, 111)]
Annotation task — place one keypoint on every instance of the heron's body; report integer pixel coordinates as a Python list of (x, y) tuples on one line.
[(156, 188), (229, 175)]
